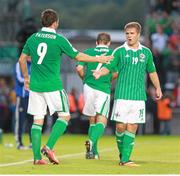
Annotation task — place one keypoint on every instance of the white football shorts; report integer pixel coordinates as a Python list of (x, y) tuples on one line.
[(56, 101), (96, 102), (128, 111)]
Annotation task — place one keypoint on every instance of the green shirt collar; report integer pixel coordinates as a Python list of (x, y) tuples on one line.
[(128, 48)]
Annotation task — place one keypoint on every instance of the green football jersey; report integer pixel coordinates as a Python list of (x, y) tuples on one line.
[(132, 67), (104, 83), (45, 49)]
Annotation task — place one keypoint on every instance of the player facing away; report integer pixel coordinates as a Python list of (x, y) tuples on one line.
[(133, 61), (96, 94), (45, 49)]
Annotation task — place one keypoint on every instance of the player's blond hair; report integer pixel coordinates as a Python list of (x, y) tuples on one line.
[(133, 25)]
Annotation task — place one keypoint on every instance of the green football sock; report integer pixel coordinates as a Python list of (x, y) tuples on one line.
[(95, 149), (91, 127), (97, 132), (128, 144), (36, 132), (119, 140), (57, 130)]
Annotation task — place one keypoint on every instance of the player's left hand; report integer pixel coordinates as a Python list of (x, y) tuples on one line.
[(158, 94), (96, 74), (105, 59)]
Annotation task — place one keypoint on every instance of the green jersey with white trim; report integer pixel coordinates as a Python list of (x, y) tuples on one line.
[(132, 67), (104, 83), (45, 49)]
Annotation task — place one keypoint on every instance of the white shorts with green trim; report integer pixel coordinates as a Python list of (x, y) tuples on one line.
[(56, 101), (96, 102), (128, 111)]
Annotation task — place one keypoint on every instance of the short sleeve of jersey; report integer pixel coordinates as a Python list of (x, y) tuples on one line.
[(81, 63), (112, 66), (150, 64), (115, 69), (67, 48)]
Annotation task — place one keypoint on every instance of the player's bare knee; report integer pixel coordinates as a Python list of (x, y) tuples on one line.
[(92, 120), (132, 127), (39, 120), (64, 115), (120, 127), (102, 119), (66, 118)]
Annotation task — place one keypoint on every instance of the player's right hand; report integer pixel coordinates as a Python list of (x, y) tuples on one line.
[(26, 83), (158, 94), (105, 59)]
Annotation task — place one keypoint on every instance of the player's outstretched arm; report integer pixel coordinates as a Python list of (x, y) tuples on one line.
[(98, 73), (23, 65), (155, 80), (86, 58)]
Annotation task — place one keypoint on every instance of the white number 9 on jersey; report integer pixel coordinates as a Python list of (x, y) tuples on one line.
[(41, 52)]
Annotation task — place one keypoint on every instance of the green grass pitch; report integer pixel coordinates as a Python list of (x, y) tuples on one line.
[(155, 154)]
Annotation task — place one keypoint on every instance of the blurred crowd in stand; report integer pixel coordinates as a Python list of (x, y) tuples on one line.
[(7, 105), (162, 36)]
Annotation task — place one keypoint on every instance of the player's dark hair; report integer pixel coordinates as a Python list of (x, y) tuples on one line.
[(133, 25), (104, 38), (48, 17)]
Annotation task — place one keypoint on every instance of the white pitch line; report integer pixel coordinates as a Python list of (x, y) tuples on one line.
[(62, 156), (16, 163)]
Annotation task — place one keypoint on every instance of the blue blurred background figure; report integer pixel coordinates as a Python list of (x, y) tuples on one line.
[(21, 116)]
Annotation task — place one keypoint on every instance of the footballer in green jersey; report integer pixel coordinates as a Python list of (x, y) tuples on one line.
[(96, 94), (45, 49), (133, 61)]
